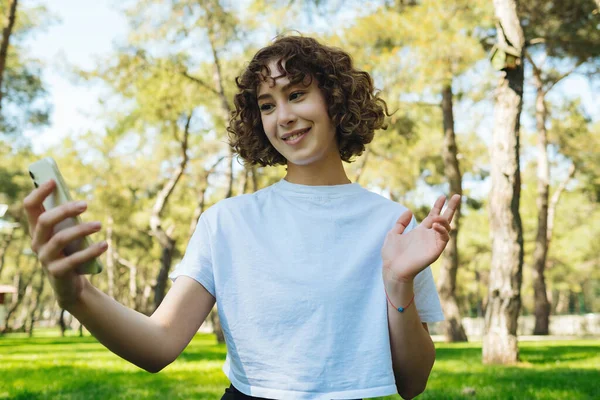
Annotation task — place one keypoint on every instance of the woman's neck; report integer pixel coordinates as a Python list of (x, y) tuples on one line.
[(325, 174)]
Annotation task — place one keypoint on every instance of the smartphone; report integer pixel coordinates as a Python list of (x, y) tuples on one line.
[(41, 172)]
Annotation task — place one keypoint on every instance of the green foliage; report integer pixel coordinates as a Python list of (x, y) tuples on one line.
[(24, 103), (568, 29), (577, 138)]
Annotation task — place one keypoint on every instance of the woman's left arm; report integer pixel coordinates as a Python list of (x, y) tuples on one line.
[(413, 353), (404, 256)]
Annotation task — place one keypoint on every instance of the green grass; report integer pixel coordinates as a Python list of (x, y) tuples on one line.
[(52, 367)]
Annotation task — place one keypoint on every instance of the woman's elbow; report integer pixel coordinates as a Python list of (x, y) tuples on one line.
[(411, 392), (155, 368), (157, 365)]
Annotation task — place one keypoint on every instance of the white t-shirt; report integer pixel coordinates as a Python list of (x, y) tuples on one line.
[(296, 272)]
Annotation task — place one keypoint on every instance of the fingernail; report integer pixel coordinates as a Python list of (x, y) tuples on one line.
[(103, 244), (80, 205), (96, 225)]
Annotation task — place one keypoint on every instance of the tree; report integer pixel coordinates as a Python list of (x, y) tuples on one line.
[(162, 91), (21, 88), (500, 344), (422, 51), (579, 42)]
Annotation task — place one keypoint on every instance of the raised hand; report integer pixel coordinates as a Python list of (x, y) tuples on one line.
[(48, 246), (405, 255)]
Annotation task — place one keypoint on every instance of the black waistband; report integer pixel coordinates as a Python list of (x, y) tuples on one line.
[(231, 393)]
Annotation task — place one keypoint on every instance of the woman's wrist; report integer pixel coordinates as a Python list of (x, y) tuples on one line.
[(399, 293)]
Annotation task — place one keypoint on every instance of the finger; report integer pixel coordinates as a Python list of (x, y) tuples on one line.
[(33, 203), (451, 208), (46, 222), (55, 246), (441, 221), (402, 222), (442, 231), (437, 206), (68, 264)]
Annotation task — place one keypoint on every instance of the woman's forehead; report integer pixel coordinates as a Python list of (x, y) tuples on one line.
[(272, 83), (273, 74), (275, 79)]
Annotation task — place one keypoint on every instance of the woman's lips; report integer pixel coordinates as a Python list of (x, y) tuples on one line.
[(298, 139)]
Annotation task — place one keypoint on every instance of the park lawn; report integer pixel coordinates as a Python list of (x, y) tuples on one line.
[(53, 367)]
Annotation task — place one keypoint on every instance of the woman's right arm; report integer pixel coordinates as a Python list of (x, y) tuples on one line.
[(152, 342)]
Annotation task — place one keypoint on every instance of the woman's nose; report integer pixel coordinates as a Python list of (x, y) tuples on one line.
[(285, 116)]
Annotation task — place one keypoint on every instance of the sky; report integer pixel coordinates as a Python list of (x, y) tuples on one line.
[(86, 30)]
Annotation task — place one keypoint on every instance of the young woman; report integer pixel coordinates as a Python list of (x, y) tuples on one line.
[(323, 287)]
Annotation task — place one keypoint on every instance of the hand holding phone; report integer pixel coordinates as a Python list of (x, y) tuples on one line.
[(60, 228)]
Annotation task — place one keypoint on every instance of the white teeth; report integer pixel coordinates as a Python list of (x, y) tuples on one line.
[(295, 136)]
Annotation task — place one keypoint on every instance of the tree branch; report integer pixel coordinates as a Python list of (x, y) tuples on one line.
[(167, 190), (554, 201), (535, 41), (199, 81), (561, 77)]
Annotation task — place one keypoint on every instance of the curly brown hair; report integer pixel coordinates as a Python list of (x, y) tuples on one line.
[(353, 106)]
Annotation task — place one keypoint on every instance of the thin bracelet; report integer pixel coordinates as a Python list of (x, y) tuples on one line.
[(400, 309)]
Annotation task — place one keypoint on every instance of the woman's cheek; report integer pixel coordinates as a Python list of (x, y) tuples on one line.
[(269, 127)]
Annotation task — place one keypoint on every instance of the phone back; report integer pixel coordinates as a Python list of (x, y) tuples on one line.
[(43, 171)]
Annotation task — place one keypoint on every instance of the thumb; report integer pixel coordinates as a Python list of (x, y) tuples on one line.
[(402, 222)]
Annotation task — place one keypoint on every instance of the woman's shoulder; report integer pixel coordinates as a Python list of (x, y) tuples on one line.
[(236, 204), (379, 200)]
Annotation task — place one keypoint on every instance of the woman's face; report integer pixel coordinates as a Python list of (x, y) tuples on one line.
[(295, 119)]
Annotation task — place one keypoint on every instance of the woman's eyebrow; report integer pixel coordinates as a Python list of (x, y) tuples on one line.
[(283, 89)]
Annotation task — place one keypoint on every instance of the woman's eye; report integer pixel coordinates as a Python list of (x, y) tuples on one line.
[(296, 95), (266, 107)]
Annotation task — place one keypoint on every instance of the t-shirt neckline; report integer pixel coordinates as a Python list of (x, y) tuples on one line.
[(335, 190)]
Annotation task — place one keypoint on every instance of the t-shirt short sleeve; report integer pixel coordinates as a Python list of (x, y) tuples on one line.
[(197, 262), (427, 300)]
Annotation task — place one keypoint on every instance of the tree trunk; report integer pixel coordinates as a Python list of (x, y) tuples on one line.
[(562, 302), (35, 304), (166, 259), (146, 298), (132, 282), (110, 258), (254, 179), (362, 167), (447, 284), (556, 198), (61, 322), (225, 108), (500, 344), (226, 111), (4, 248), (167, 242), (541, 304), (243, 183), (216, 322), (6, 32), (23, 290), (202, 186), (545, 211)]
